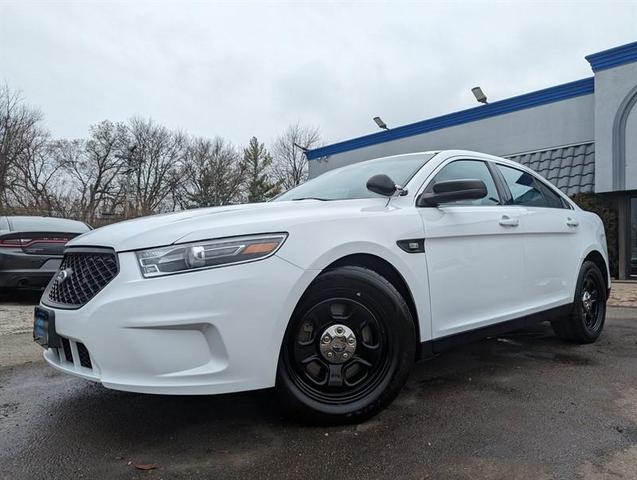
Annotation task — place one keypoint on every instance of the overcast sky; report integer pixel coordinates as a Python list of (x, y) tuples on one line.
[(238, 69)]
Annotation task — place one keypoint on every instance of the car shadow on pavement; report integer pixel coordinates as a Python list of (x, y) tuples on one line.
[(142, 416), (20, 297), (485, 363)]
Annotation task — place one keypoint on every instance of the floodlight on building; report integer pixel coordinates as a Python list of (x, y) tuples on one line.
[(479, 94), (380, 123)]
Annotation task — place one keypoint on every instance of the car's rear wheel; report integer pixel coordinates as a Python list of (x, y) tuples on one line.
[(348, 349), (586, 321)]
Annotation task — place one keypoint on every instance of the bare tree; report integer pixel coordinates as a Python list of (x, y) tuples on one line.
[(153, 166), (94, 167), (290, 162), (215, 173), (35, 180), (136, 168), (259, 182), (20, 133)]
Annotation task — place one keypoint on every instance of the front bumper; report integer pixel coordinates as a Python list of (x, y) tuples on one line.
[(21, 270), (212, 331), (25, 278)]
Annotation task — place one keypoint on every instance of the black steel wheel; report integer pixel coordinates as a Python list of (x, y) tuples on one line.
[(586, 321), (591, 307), (348, 349)]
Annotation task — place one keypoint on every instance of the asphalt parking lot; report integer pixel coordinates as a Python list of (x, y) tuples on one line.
[(524, 406)]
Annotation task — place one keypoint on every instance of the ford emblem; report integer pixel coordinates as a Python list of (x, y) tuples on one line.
[(63, 275)]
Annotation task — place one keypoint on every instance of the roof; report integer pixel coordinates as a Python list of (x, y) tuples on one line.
[(613, 57), (557, 93), (570, 168)]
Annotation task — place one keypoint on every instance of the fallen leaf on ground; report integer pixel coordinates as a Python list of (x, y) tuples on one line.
[(145, 466)]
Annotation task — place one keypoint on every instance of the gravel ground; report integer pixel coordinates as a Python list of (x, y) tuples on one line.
[(623, 294), (16, 326), (16, 310), (15, 319)]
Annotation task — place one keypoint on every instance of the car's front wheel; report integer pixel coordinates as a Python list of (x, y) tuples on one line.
[(586, 321), (348, 349)]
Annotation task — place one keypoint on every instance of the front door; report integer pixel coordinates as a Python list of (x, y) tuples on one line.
[(474, 255)]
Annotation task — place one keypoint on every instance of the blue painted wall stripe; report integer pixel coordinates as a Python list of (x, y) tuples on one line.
[(528, 100), (613, 57)]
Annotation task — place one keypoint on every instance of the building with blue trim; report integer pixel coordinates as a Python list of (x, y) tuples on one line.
[(581, 135)]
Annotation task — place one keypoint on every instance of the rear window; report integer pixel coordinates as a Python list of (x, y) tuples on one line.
[(45, 224)]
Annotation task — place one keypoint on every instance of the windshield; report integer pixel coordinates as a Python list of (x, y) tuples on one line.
[(350, 182)]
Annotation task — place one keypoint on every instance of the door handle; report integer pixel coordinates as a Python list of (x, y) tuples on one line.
[(507, 221), (571, 222)]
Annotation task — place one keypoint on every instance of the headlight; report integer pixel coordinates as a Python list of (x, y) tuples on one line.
[(187, 257)]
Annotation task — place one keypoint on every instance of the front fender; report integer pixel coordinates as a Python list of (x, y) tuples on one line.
[(411, 266)]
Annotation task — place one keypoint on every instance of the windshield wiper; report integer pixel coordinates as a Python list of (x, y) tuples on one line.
[(312, 198)]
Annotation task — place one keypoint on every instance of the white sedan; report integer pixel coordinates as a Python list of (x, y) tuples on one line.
[(333, 290)]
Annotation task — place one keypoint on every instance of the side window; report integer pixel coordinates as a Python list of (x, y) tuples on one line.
[(553, 200), (465, 170), (526, 190)]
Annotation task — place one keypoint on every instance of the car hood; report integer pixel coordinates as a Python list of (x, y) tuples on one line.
[(218, 222)]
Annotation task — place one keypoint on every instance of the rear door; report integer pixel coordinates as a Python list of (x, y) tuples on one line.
[(552, 239), (475, 254)]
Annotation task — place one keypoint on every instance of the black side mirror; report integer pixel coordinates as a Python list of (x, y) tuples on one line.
[(381, 184), (452, 191)]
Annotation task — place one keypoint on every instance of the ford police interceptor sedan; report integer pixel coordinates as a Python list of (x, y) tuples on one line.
[(331, 291)]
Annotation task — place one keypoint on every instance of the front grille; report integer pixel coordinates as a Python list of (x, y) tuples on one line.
[(75, 352), (66, 346), (83, 273), (85, 358)]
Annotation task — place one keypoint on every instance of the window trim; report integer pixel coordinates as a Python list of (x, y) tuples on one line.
[(427, 182), (566, 205), (503, 188)]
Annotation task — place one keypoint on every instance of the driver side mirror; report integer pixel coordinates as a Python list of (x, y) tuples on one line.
[(452, 191), (383, 185)]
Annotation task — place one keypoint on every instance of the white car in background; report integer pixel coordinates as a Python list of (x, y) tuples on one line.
[(333, 290)]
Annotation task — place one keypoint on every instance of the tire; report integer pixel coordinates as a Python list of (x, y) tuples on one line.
[(345, 381), (586, 320)]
